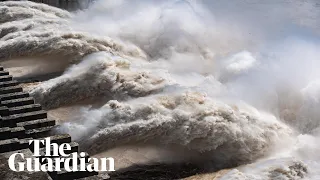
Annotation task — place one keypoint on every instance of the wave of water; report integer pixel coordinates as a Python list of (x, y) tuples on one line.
[(231, 83)]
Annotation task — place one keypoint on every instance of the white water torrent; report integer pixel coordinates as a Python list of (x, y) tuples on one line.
[(230, 84)]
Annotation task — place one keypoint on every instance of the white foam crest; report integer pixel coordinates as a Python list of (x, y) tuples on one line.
[(31, 29), (245, 94), (278, 169), (74, 45), (226, 134), (12, 11), (100, 74), (24, 25)]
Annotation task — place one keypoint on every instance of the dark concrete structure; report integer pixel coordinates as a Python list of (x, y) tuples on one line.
[(8, 174), (21, 120)]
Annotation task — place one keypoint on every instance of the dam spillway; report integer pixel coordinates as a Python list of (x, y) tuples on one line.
[(23, 120)]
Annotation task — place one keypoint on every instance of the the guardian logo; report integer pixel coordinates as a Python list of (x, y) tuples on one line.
[(55, 156)]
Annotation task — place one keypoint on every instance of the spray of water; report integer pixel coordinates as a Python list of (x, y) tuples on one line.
[(230, 81), (40, 30)]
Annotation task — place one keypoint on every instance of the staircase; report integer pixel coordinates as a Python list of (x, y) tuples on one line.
[(21, 120)]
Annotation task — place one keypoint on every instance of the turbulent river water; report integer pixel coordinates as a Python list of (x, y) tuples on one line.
[(224, 84)]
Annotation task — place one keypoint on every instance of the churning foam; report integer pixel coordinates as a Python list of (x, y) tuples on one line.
[(31, 29), (187, 74)]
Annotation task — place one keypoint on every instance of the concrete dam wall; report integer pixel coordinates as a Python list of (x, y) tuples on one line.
[(23, 120)]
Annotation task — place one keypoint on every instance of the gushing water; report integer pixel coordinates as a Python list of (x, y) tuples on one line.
[(231, 83)]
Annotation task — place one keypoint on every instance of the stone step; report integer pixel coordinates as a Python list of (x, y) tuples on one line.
[(5, 78), (7, 174), (9, 145), (35, 124), (86, 157), (4, 73), (25, 109), (18, 102), (9, 83), (25, 142), (4, 111), (59, 139), (65, 175), (12, 120), (5, 133), (74, 148), (18, 132), (11, 96), (9, 133), (10, 89), (39, 132)]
